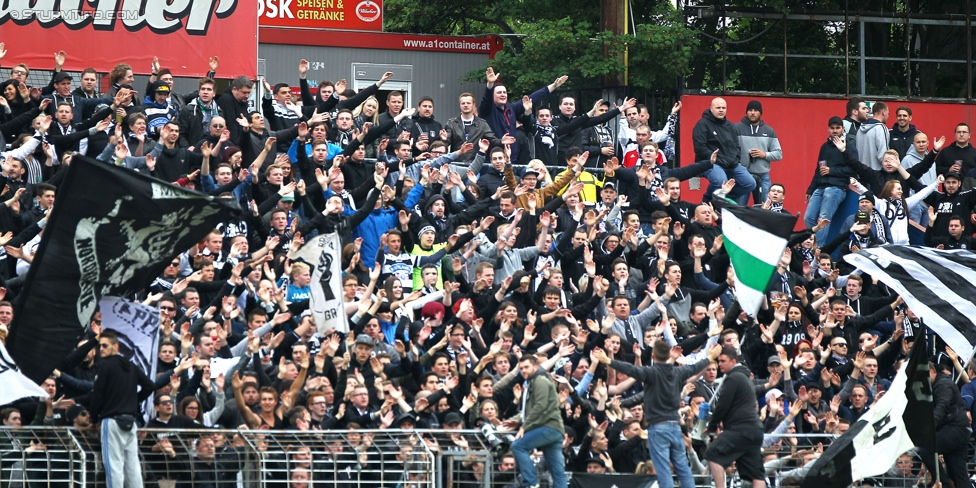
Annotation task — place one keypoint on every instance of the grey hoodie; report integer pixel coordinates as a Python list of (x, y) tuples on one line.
[(761, 137), (872, 142)]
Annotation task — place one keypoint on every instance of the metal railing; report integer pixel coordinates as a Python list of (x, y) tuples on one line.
[(51, 456), (63, 457)]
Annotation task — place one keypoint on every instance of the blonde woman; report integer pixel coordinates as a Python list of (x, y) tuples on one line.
[(368, 111)]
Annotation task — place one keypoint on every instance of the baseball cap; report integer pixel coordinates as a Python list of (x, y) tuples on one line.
[(773, 360), (774, 392), (288, 197), (530, 172), (611, 185), (596, 460), (160, 87), (452, 418), (364, 339), (835, 120), (74, 411), (61, 76), (405, 417), (862, 217), (953, 174)]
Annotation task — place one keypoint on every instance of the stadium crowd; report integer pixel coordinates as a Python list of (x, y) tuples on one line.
[(515, 265)]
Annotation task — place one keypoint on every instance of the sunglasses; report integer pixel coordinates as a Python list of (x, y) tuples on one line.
[(168, 309)]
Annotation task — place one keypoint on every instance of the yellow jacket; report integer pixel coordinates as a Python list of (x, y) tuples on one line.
[(591, 187)]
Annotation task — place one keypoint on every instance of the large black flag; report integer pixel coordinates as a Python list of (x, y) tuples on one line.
[(111, 232)]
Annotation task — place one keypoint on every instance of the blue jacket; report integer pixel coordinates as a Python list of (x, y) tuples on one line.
[(502, 119), (378, 222), (968, 394)]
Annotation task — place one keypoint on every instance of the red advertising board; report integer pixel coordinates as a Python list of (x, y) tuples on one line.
[(801, 126), (364, 15), (100, 34), (489, 44)]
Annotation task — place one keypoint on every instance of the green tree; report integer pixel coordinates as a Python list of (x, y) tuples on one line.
[(556, 37)]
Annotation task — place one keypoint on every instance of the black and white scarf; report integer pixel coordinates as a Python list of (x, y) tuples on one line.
[(547, 134)]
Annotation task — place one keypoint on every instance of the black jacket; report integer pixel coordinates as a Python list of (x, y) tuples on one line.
[(191, 124), (949, 410), (115, 391), (232, 110), (735, 404), (712, 133), (426, 126), (952, 153), (902, 141), (173, 164), (574, 135), (839, 164)]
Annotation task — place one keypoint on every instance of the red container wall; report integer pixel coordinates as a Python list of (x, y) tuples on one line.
[(801, 124)]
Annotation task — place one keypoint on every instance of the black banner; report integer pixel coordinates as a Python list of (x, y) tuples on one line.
[(584, 480), (833, 468), (111, 232), (920, 411)]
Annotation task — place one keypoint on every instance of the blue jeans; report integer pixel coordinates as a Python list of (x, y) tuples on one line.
[(761, 193), (823, 205), (920, 213), (668, 448), (550, 441), (744, 183)]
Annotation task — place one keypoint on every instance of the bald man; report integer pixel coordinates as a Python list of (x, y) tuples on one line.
[(713, 132)]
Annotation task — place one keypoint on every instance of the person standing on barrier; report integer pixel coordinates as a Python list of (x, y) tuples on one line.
[(120, 387), (742, 432), (542, 426), (662, 392), (952, 428)]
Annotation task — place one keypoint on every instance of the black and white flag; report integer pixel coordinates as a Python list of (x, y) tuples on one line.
[(938, 285), (901, 420), (112, 231), (323, 254), (138, 328), (14, 384)]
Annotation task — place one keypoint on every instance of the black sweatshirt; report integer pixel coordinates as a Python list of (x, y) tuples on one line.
[(735, 406), (115, 389)]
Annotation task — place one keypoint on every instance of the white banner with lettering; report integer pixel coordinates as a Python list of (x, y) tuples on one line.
[(138, 329), (324, 255)]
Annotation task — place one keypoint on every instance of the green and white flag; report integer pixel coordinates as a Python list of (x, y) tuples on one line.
[(755, 240)]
